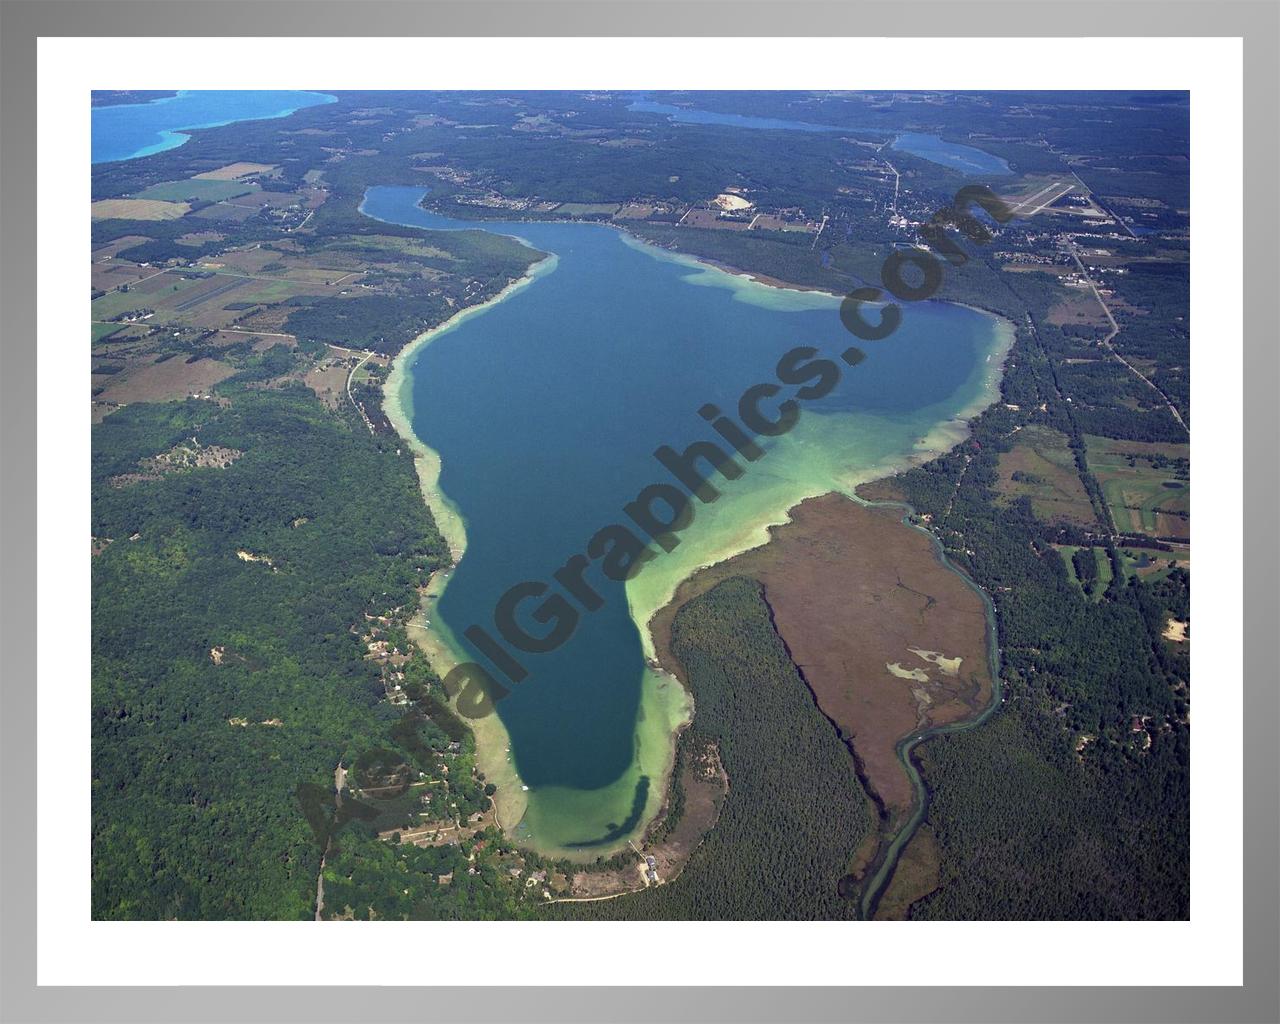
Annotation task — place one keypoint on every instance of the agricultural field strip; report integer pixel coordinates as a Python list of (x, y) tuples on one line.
[(284, 278), (203, 297), (1142, 487), (277, 279), (202, 189)]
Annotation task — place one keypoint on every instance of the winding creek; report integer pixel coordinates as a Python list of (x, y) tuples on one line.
[(887, 859)]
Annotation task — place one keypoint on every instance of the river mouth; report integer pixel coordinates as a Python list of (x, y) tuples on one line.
[(538, 419)]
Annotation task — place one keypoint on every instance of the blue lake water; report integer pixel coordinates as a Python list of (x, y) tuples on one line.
[(130, 130), (955, 155), (687, 115), (950, 154), (545, 409)]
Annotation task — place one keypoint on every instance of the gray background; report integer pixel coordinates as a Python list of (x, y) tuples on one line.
[(21, 23)]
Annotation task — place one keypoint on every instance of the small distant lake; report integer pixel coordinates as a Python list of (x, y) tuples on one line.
[(688, 115), (928, 147), (130, 130), (950, 154)]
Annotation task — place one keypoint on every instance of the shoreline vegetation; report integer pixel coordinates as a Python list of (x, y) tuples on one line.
[(664, 697)]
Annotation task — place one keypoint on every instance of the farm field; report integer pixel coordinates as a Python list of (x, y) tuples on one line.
[(1078, 309), (117, 245), (189, 327), (358, 245), (236, 170), (119, 337), (168, 294), (255, 198), (302, 268), (328, 378), (1041, 466), (217, 293), (1147, 486), (711, 219), (196, 188), (157, 380), (225, 211), (137, 209), (106, 276), (768, 222)]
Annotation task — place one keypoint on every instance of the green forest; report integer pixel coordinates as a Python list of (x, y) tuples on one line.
[(795, 812), (1093, 742), (194, 817)]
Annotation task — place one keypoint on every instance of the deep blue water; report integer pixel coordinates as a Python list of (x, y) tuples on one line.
[(126, 131), (546, 409), (950, 154)]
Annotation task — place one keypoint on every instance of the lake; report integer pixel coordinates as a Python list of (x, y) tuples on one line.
[(950, 154), (936, 150), (688, 115), (130, 130), (545, 409)]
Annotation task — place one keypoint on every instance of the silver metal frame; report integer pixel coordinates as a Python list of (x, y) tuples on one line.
[(1258, 23)]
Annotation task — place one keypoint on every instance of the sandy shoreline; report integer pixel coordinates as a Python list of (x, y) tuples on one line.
[(493, 755), (740, 281), (492, 742), (758, 278), (645, 602)]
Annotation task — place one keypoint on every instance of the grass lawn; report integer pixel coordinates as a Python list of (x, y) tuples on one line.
[(1101, 559), (1147, 486)]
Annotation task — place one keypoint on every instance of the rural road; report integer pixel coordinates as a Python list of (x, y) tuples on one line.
[(350, 377), (1115, 329), (339, 784)]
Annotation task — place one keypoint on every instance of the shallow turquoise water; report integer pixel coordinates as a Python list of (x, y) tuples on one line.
[(127, 131), (546, 409)]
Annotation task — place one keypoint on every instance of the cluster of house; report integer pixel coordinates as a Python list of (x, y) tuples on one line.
[(650, 870)]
